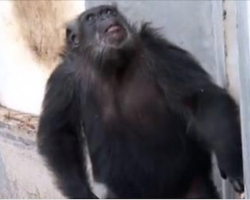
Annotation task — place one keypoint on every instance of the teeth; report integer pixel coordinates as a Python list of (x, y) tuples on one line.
[(113, 28)]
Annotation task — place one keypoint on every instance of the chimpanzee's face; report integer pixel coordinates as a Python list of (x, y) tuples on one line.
[(103, 26)]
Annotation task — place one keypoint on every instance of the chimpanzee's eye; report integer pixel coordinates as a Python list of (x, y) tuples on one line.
[(90, 17), (111, 12), (108, 12)]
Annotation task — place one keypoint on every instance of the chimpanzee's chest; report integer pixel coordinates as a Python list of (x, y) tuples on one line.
[(128, 127), (139, 102), (135, 115)]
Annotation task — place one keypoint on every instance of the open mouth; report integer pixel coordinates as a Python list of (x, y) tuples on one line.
[(113, 28), (115, 33)]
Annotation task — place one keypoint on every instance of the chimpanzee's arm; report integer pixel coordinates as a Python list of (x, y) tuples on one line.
[(60, 138), (217, 123), (213, 112)]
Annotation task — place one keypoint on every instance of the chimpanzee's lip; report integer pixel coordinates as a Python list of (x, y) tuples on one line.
[(113, 28)]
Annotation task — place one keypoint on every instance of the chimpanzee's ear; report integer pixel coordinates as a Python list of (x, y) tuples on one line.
[(72, 35)]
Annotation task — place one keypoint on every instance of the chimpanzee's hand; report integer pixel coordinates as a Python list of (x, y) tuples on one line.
[(237, 183)]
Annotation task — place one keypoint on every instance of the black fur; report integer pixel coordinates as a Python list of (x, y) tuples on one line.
[(148, 113)]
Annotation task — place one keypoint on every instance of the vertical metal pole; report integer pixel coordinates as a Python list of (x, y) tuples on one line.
[(244, 72), (224, 187)]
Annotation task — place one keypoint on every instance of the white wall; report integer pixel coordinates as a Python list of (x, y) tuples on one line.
[(22, 78)]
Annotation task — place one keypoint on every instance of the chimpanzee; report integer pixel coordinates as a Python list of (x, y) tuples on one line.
[(128, 114)]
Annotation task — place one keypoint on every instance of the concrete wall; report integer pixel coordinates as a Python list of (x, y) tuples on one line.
[(22, 171), (22, 77)]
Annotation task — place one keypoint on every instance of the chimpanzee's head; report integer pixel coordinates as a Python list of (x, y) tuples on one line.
[(100, 29)]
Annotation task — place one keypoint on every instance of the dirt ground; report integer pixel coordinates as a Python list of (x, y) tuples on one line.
[(18, 121)]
